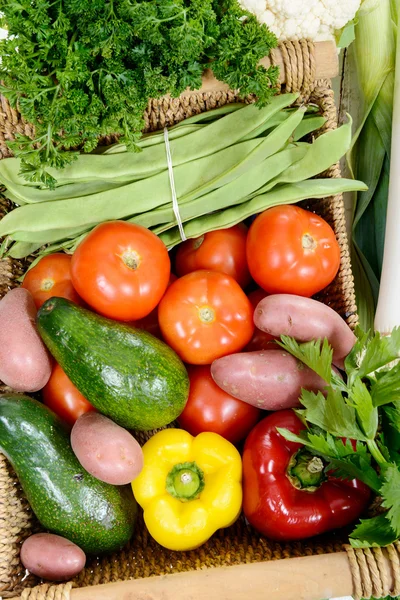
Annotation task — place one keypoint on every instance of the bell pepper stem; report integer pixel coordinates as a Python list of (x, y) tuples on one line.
[(305, 471), (185, 481)]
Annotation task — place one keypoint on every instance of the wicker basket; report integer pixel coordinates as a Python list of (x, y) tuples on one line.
[(326, 570)]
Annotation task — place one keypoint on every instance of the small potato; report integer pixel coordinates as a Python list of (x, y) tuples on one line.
[(52, 557), (305, 319), (25, 364), (106, 450), (267, 379)]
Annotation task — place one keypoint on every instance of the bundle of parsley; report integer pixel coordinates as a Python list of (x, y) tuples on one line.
[(366, 408), (80, 69)]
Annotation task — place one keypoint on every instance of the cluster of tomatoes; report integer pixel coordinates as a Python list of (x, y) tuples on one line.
[(205, 311)]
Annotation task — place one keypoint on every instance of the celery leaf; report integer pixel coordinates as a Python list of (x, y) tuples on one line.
[(373, 532), (367, 413), (390, 492), (332, 414)]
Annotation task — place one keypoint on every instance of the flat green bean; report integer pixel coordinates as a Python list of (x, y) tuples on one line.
[(285, 194), (324, 152), (151, 139), (129, 199), (227, 166), (21, 195), (211, 115), (50, 236), (22, 249), (219, 134), (270, 145), (307, 126), (237, 190)]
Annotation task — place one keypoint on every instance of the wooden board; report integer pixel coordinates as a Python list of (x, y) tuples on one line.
[(306, 578)]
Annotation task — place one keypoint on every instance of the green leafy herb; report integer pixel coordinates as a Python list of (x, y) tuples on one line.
[(390, 491), (373, 532), (347, 462), (366, 412), (387, 387), (332, 414), (363, 407), (79, 69), (315, 354), (393, 414), (371, 353)]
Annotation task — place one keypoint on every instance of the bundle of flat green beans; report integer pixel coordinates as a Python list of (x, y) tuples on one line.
[(228, 164)]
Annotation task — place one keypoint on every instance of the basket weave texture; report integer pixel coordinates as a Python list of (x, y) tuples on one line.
[(238, 544)]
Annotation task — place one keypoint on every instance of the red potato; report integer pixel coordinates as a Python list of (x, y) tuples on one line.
[(305, 320), (260, 339), (52, 557), (25, 364), (106, 450), (267, 379)]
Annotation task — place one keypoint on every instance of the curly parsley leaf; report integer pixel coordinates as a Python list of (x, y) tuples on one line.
[(80, 69), (373, 532)]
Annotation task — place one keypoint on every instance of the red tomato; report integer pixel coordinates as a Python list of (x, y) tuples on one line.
[(205, 315), (51, 277), (292, 251), (121, 270), (150, 322), (223, 250), (211, 409), (261, 340), (63, 398)]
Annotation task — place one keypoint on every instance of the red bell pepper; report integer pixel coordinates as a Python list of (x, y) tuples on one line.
[(286, 493)]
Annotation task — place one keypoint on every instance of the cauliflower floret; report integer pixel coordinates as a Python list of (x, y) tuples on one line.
[(294, 19)]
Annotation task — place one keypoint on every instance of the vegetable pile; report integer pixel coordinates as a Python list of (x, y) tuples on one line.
[(120, 344), (246, 352), (81, 70)]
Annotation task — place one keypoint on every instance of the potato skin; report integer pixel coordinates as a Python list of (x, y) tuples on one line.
[(52, 557), (267, 379), (106, 450), (305, 319), (25, 364)]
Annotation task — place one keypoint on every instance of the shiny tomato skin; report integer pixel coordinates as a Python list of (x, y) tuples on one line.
[(150, 322), (121, 270), (292, 251), (51, 276), (63, 398), (205, 315), (261, 340), (209, 408), (223, 250)]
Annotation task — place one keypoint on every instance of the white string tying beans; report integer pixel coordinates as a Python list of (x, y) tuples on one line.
[(175, 204)]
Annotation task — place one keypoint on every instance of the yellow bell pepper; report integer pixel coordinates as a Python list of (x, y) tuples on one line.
[(189, 487)]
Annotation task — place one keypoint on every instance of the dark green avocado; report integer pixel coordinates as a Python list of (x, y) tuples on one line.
[(126, 373), (68, 501)]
